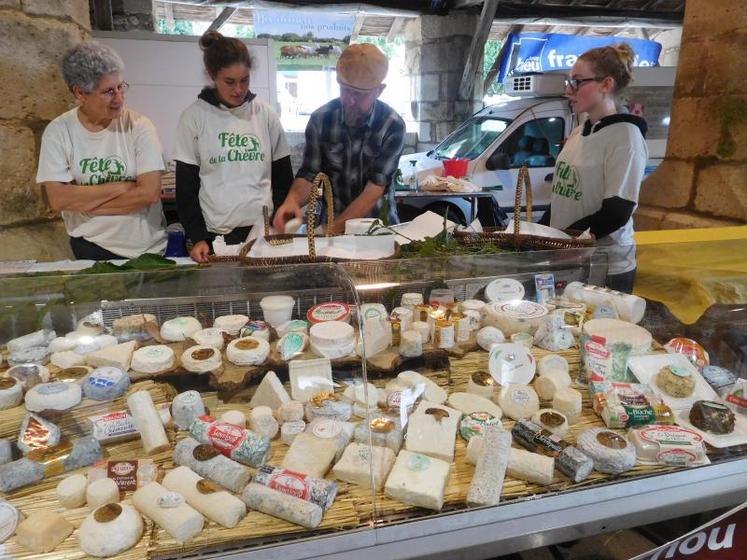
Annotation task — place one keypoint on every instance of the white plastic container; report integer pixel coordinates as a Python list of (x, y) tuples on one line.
[(277, 309)]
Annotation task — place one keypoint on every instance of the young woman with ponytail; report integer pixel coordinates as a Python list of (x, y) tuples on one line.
[(598, 173)]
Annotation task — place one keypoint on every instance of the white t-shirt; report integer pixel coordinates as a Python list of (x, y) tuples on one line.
[(607, 163), (128, 147), (234, 148)]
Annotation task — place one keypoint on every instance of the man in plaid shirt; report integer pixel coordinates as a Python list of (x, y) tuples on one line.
[(355, 139)]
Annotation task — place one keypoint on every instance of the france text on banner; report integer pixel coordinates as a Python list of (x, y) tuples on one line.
[(724, 538), (304, 40), (546, 52)]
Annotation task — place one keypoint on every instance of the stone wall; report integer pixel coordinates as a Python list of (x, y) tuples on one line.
[(33, 36), (435, 56), (130, 15), (703, 180)]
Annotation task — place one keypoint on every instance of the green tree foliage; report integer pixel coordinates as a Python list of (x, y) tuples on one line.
[(492, 48), (180, 27), (387, 47)]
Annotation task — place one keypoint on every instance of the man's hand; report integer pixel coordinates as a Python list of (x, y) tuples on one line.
[(289, 209), (200, 252)]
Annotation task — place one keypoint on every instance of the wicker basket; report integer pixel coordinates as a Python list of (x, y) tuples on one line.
[(517, 240), (320, 181)]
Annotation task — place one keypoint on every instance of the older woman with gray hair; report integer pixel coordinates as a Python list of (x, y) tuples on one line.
[(100, 163)]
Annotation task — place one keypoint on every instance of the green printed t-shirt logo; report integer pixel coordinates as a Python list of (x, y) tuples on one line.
[(238, 147), (104, 170), (566, 182)]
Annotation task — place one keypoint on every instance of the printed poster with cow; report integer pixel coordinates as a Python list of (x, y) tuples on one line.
[(304, 40)]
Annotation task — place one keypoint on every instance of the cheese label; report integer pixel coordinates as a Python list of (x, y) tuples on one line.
[(326, 429), (288, 482), (252, 327), (418, 462), (332, 311), (105, 377), (291, 345), (523, 310), (224, 436), (36, 434), (676, 457), (504, 289), (679, 371), (604, 361), (124, 473)]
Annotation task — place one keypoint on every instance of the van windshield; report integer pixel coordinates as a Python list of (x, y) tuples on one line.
[(471, 139)]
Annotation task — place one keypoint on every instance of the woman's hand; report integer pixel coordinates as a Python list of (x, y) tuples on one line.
[(200, 252)]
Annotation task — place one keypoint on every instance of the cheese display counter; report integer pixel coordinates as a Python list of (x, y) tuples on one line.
[(383, 409)]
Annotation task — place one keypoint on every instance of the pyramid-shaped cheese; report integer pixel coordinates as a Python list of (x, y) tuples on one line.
[(270, 392), (117, 356)]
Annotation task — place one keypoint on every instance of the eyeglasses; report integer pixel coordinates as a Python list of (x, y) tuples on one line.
[(575, 83), (111, 92)]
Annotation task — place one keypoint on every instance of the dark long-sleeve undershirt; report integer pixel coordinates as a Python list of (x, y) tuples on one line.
[(188, 191), (614, 214)]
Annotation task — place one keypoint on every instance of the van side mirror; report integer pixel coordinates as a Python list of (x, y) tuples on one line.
[(498, 160)]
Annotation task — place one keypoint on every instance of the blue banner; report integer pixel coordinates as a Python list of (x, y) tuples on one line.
[(546, 52)]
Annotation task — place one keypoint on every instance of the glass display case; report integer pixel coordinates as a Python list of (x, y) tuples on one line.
[(405, 378)]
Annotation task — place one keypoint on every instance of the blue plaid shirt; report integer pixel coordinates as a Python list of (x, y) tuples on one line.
[(353, 157)]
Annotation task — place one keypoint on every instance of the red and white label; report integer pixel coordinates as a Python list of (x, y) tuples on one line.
[(225, 437), (290, 482)]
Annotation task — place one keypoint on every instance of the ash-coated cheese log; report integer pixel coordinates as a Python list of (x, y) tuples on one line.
[(148, 421), (206, 497), (110, 530), (487, 481), (571, 461), (277, 504), (17, 474), (207, 462), (239, 444), (531, 467), (319, 491), (182, 522)]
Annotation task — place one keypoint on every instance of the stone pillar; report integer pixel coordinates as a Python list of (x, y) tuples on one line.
[(33, 36), (130, 15), (703, 180), (436, 52)]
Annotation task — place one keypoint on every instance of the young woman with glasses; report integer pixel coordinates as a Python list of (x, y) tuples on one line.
[(100, 163), (598, 173)]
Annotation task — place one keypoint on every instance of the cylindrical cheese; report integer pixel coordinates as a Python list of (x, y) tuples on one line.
[(235, 417), (262, 422), (206, 497), (277, 504), (290, 411), (568, 401), (110, 530), (550, 381), (289, 430), (71, 491), (552, 362), (531, 467), (411, 344), (481, 383), (202, 459), (148, 421), (518, 401), (56, 395), (186, 407), (182, 522), (11, 392), (102, 491), (423, 328)]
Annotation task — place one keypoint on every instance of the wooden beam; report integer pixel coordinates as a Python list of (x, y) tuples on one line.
[(466, 3), (496, 67), (102, 15), (476, 49), (222, 18), (357, 26), (396, 29)]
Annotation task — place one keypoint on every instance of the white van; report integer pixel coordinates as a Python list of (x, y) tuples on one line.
[(530, 130)]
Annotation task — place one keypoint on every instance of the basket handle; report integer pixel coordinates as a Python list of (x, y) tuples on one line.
[(523, 182)]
